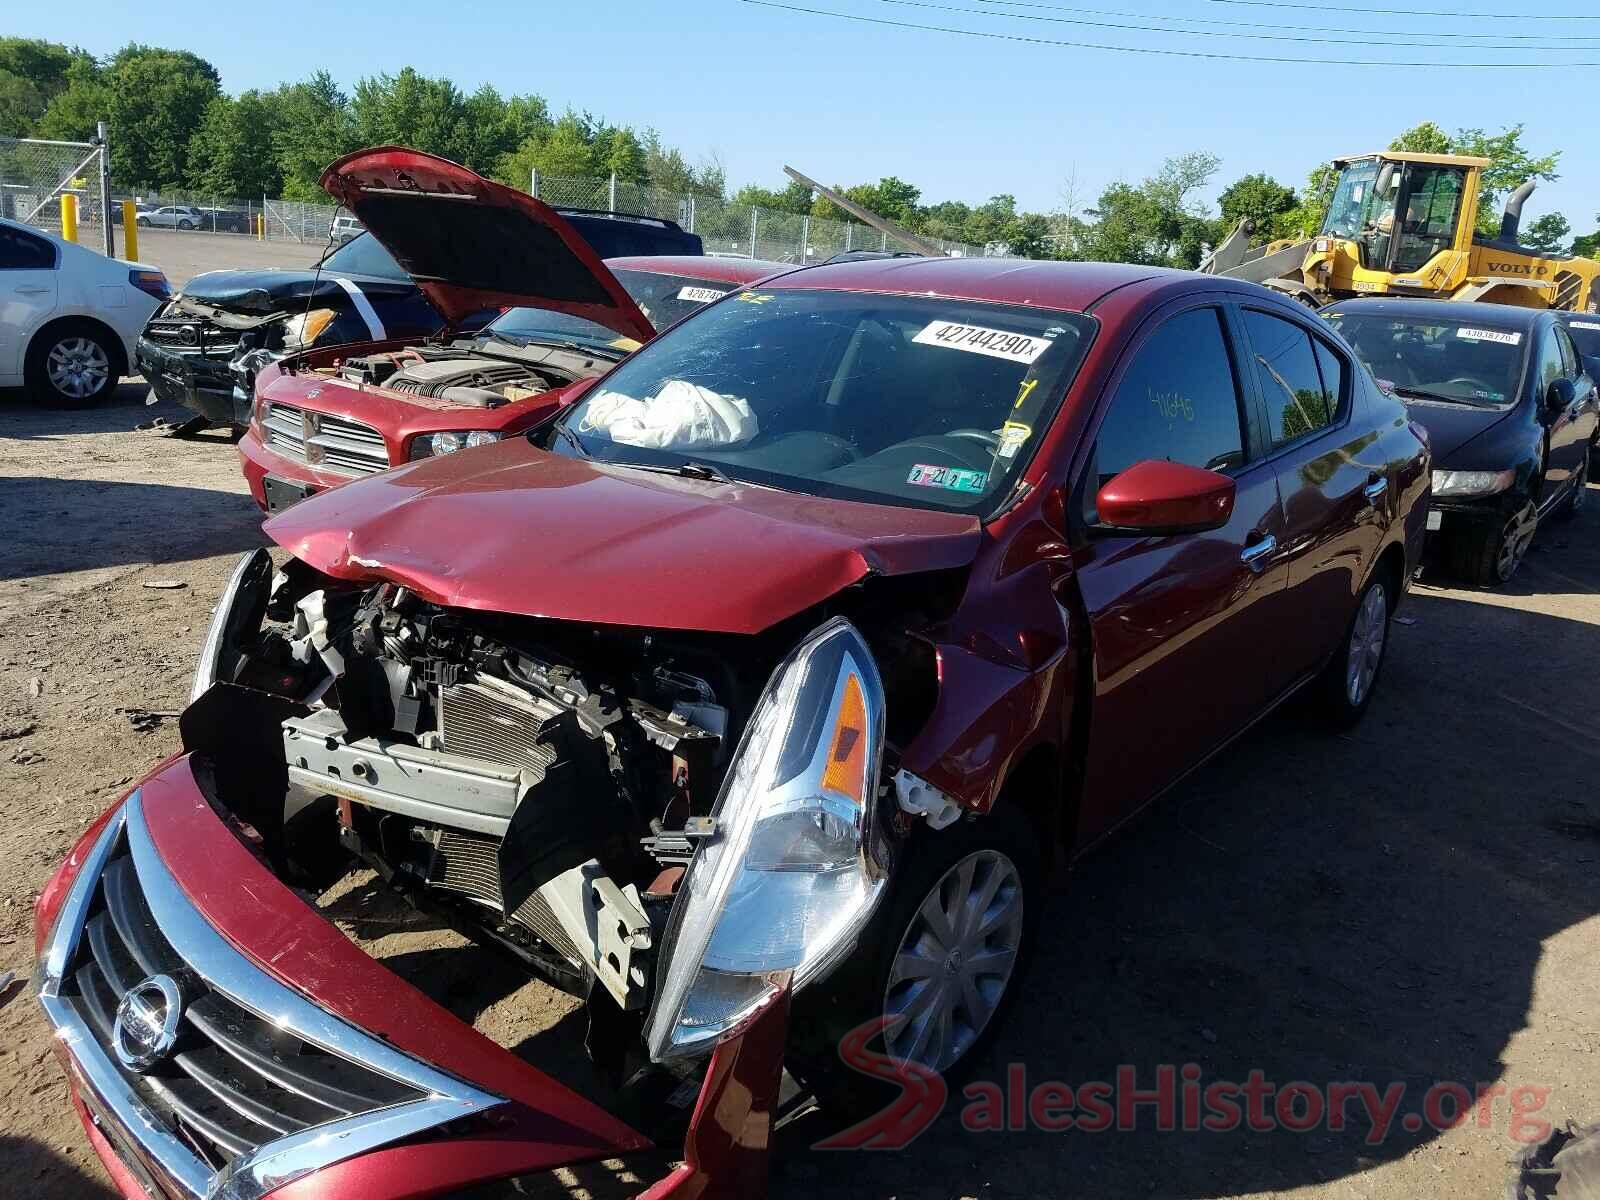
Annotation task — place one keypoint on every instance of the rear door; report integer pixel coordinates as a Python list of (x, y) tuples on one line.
[(1338, 497), (1183, 626), (1568, 430), (28, 291)]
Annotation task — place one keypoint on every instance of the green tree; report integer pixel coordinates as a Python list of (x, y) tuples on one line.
[(411, 109), (157, 99), (1511, 164), (1156, 222), (1588, 246), (32, 74), (1261, 199), (618, 151), (1549, 233), (21, 105), (493, 127), (795, 198), (85, 100), (313, 128), (232, 154)]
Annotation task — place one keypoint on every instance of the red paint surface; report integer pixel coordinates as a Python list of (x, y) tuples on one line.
[(1166, 495), (509, 528), (396, 168)]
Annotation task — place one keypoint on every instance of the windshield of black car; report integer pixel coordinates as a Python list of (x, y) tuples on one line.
[(1471, 361), (364, 255), (665, 299), (906, 400), (1585, 333)]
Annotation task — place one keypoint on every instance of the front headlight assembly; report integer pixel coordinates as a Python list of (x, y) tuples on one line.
[(303, 329), (431, 445), (797, 861), (1471, 483)]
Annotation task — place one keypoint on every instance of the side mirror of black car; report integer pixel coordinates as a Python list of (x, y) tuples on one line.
[(1560, 397)]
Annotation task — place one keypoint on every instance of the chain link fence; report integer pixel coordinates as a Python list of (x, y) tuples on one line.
[(35, 174), (726, 228)]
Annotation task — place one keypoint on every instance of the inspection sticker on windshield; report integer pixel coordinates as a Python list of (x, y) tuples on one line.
[(975, 339), (1490, 335), (699, 295), (952, 479)]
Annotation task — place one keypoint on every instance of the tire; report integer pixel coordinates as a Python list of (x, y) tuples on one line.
[(145, 221), (185, 224), (999, 849), (1346, 685), (1492, 556), (1579, 495), (72, 365)]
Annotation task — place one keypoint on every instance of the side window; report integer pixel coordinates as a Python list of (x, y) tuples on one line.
[(1333, 370), (1286, 365), (1569, 356), (23, 252), (1551, 367), (1179, 401)]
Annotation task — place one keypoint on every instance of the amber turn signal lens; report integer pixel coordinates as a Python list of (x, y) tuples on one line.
[(846, 769)]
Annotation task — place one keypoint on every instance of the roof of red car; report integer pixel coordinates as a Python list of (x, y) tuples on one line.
[(701, 266), (1061, 285)]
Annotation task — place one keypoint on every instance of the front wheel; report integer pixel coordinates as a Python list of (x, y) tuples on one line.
[(1493, 556), (1349, 680), (72, 366), (145, 221), (939, 965)]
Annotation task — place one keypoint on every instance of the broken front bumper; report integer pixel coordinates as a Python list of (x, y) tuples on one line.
[(224, 1040), (201, 383)]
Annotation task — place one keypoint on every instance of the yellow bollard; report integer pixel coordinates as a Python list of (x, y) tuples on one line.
[(130, 231), (261, 227), (69, 217)]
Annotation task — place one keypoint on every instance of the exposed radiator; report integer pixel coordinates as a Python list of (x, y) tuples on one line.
[(469, 863), (494, 721)]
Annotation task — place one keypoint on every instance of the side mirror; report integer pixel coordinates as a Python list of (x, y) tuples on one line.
[(1158, 497), (1560, 397)]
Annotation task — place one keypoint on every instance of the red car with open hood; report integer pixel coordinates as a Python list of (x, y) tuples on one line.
[(325, 416), (750, 697)]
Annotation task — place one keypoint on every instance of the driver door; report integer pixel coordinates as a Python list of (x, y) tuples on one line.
[(1568, 430), (1183, 627)]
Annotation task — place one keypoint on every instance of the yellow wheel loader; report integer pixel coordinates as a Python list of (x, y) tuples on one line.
[(1406, 225)]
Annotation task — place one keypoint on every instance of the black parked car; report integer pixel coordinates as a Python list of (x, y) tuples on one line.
[(1509, 405), (359, 293), (1584, 329)]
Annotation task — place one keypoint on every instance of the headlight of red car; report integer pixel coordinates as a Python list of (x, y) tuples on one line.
[(431, 445), (796, 863)]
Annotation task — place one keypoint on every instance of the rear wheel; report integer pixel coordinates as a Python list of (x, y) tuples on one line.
[(1351, 677), (185, 224), (940, 962), (72, 365)]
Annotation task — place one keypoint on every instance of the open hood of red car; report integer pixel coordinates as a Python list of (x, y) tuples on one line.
[(472, 244), (509, 528)]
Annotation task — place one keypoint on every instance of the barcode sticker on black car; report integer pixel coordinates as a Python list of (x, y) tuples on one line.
[(977, 339), (1490, 335)]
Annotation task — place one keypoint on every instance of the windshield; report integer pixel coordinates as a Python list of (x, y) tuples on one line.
[(1430, 359), (912, 401), (665, 299), (1354, 207), (364, 255)]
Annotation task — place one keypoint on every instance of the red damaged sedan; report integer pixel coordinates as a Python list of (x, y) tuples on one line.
[(323, 417), (751, 698)]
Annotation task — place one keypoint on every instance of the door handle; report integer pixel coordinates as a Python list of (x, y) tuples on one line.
[(1375, 490), (32, 291), (1255, 555)]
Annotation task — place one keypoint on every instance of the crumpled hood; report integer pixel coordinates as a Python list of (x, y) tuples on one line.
[(1452, 426), (264, 292), (509, 528)]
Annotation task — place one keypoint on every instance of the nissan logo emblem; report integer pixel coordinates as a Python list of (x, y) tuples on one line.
[(146, 1028)]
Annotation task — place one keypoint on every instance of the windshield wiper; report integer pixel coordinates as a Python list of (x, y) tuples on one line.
[(570, 438), (687, 469), (1417, 393), (522, 341)]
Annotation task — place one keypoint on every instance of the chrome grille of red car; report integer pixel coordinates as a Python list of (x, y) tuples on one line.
[(209, 1076), (324, 441)]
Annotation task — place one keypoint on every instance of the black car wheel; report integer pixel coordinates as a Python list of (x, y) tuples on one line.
[(1493, 556), (940, 962), (1573, 504), (1351, 676), (185, 224), (73, 365)]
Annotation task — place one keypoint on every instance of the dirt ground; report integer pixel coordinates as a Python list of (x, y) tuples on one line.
[(1414, 902)]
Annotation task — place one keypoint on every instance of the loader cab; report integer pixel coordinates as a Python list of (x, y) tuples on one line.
[(1401, 211)]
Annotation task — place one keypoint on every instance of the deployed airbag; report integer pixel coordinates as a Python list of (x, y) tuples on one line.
[(681, 416)]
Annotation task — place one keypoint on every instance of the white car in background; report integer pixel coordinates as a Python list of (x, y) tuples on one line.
[(171, 216), (69, 316)]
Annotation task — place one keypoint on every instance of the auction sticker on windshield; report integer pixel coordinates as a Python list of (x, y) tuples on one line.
[(976, 339), (1586, 324), (700, 295), (1490, 335), (952, 479)]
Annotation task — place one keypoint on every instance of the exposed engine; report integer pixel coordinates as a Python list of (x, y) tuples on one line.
[(452, 374), (548, 806)]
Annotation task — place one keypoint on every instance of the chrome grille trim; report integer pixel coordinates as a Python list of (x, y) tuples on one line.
[(228, 972), (325, 441)]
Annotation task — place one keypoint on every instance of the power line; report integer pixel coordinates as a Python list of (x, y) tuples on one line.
[(1405, 12), (1370, 33), (1217, 33), (1022, 39)]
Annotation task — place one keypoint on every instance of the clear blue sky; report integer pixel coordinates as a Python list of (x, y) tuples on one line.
[(960, 117)]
